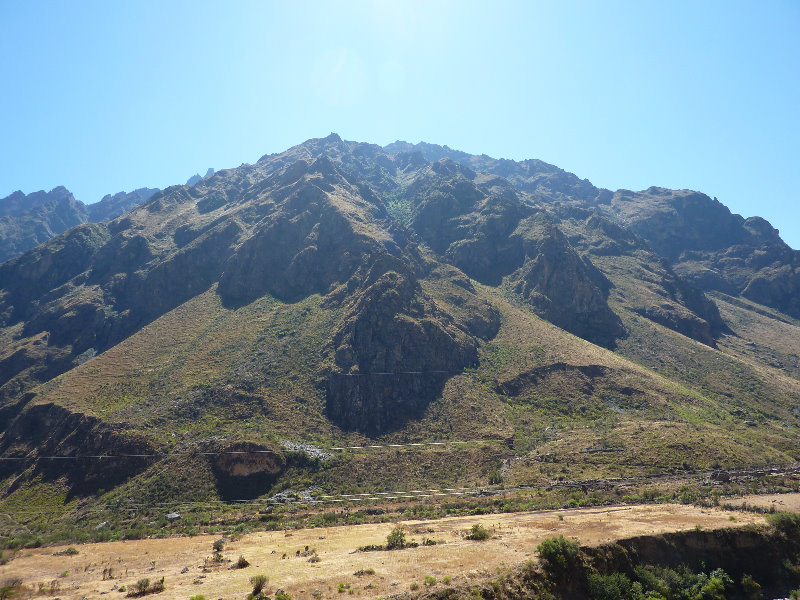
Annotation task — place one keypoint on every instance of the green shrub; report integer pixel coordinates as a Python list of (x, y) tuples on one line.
[(429, 581), (143, 587), (140, 587), (749, 584), (478, 532), (10, 588), (495, 478), (785, 522), (241, 563), (558, 555), (616, 586), (258, 582), (396, 540), (414, 586)]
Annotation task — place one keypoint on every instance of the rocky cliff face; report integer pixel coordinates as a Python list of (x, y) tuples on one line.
[(712, 248), (396, 348), (112, 206), (29, 220), (707, 245), (562, 287)]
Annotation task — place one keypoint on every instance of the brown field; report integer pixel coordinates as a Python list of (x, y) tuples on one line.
[(781, 502), (514, 539)]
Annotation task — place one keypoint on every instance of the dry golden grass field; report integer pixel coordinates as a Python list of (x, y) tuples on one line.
[(187, 566)]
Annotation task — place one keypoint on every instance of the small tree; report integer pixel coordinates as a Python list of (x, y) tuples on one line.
[(478, 532), (396, 540), (495, 478), (559, 555)]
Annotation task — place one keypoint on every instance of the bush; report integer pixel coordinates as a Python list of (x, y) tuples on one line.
[(396, 540), (10, 588), (749, 584), (495, 478), (258, 582), (610, 587), (429, 581), (143, 587), (478, 532), (558, 554), (241, 563), (785, 522)]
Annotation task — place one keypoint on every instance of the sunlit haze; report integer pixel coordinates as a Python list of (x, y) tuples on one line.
[(109, 96)]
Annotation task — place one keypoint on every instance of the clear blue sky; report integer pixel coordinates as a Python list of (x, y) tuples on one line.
[(112, 95)]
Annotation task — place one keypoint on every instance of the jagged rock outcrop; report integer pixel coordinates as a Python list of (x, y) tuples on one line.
[(29, 220), (490, 237), (561, 286), (112, 206), (395, 349), (713, 248)]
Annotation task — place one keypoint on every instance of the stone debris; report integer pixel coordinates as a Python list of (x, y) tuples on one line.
[(310, 451)]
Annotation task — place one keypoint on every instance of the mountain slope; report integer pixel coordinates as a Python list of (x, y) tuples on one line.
[(29, 220), (341, 293), (707, 244)]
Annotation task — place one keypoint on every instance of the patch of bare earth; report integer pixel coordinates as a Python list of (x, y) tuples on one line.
[(780, 502), (278, 554)]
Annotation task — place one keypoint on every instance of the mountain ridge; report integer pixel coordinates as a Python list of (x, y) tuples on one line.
[(336, 293), (29, 220)]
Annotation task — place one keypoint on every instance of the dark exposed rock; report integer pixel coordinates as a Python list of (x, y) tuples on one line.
[(110, 207), (395, 350), (27, 221), (713, 248), (560, 285), (48, 430)]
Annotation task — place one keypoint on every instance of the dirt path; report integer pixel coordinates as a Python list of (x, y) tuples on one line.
[(514, 539)]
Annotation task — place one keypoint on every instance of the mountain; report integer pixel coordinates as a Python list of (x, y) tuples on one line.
[(706, 244), (113, 206), (342, 293), (29, 220)]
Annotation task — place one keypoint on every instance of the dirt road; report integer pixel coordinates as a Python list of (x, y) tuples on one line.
[(181, 560)]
